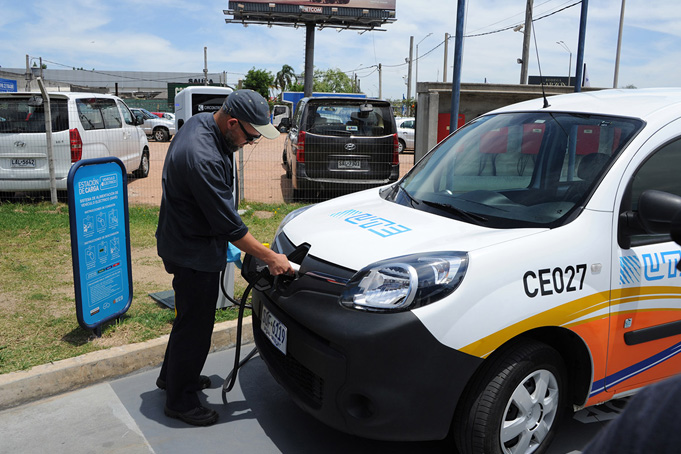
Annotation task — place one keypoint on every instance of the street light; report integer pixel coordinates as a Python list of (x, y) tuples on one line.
[(564, 46), (417, 59)]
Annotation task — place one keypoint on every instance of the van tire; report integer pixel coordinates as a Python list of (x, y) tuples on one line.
[(287, 167), (515, 370), (143, 170), (161, 135)]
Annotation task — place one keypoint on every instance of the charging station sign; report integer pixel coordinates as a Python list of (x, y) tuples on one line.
[(100, 240)]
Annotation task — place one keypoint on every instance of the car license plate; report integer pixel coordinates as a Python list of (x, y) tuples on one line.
[(23, 163), (275, 331), (349, 164)]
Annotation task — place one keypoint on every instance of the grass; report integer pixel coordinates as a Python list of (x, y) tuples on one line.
[(38, 321)]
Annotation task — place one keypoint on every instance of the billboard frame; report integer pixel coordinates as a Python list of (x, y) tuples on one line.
[(298, 13)]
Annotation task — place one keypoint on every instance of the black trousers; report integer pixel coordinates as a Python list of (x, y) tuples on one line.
[(196, 294)]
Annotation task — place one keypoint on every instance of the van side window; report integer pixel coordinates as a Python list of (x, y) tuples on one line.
[(98, 113), (661, 172), (127, 115), (298, 115)]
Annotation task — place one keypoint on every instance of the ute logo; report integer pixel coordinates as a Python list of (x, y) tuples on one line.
[(374, 224)]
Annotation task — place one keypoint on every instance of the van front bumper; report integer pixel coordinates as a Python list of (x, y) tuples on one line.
[(379, 376)]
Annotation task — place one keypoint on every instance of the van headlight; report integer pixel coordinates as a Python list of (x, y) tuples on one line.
[(404, 283)]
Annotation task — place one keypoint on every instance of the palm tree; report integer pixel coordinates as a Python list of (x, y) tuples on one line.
[(284, 78)]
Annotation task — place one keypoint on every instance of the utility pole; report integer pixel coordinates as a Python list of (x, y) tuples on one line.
[(411, 58), (580, 47), (619, 49), (380, 81), (205, 66), (526, 43), (444, 67)]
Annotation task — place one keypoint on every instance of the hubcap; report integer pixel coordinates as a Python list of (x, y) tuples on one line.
[(530, 413)]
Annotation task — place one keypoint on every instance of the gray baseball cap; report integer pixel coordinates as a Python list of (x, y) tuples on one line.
[(251, 107)]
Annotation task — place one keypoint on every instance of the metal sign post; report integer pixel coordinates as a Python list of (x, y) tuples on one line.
[(100, 240)]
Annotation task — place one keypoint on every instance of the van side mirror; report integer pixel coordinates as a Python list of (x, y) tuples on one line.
[(139, 119), (285, 122)]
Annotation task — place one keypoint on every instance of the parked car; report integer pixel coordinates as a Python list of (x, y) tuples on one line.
[(521, 269), (166, 115), (341, 143), (84, 126), (405, 132), (160, 129)]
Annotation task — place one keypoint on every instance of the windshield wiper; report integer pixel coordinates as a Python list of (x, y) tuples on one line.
[(456, 211), (411, 198)]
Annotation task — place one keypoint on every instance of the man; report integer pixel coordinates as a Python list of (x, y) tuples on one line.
[(198, 218)]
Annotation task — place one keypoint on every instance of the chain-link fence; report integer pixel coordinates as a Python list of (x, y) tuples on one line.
[(265, 175)]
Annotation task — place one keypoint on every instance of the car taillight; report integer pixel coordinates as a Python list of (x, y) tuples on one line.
[(300, 153), (76, 145), (396, 150)]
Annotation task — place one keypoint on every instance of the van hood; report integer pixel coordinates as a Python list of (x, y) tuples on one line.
[(359, 229)]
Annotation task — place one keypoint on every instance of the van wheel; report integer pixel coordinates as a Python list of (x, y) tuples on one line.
[(161, 135), (287, 167), (143, 170), (516, 403)]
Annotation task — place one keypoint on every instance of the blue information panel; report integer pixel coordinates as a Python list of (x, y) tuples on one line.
[(100, 240)]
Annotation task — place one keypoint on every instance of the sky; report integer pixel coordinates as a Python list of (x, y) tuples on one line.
[(170, 35)]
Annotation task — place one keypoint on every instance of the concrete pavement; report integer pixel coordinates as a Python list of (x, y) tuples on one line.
[(124, 413), (47, 380)]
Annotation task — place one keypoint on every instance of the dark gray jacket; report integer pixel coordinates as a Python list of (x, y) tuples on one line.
[(198, 215)]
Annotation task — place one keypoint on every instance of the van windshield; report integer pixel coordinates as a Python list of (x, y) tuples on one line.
[(530, 169), (21, 114), (335, 119)]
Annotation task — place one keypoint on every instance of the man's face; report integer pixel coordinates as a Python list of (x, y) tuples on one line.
[(240, 133)]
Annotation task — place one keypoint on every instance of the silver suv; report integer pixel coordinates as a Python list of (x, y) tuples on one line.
[(160, 129)]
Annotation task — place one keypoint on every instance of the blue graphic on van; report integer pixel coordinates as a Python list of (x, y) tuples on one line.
[(650, 267), (374, 224)]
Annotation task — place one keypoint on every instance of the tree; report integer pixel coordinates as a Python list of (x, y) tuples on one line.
[(329, 81), (259, 80), (284, 78), (332, 81)]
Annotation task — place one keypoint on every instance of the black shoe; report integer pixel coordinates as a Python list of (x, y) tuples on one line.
[(204, 382), (199, 416)]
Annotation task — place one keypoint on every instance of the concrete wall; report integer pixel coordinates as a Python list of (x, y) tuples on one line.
[(435, 98)]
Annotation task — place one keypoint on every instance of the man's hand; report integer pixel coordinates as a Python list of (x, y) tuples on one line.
[(277, 263)]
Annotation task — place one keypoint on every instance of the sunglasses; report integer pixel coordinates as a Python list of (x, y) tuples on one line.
[(249, 137)]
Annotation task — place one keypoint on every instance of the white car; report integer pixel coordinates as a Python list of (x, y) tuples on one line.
[(406, 128), (84, 126), (160, 129), (523, 267)]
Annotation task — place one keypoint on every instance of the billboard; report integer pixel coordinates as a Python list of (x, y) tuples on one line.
[(377, 4), (344, 14)]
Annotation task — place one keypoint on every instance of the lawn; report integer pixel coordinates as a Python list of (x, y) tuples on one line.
[(38, 321)]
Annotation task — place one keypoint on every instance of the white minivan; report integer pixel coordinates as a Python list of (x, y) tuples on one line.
[(84, 126), (521, 268)]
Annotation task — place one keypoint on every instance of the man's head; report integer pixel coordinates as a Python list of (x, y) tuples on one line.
[(252, 114)]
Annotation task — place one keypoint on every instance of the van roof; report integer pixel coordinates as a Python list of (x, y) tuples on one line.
[(59, 94), (635, 103)]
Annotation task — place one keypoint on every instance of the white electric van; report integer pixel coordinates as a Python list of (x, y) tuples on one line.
[(195, 99), (84, 126), (524, 266)]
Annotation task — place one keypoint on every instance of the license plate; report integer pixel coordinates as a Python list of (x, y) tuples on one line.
[(349, 164), (23, 163), (275, 331)]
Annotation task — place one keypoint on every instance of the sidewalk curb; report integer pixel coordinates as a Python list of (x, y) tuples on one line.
[(39, 382)]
